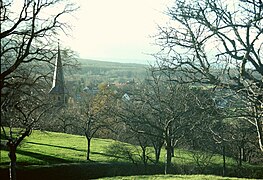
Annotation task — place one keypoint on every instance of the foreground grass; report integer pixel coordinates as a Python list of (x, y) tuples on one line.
[(44, 148), (175, 177), (52, 150)]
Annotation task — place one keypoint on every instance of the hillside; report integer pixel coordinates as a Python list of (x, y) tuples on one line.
[(47, 148), (174, 177), (49, 151), (95, 72), (100, 63)]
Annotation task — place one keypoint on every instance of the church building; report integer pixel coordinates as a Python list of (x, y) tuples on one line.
[(58, 92)]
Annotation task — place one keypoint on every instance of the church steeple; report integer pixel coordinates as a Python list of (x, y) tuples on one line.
[(58, 90)]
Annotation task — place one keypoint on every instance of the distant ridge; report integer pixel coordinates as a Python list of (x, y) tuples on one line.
[(88, 61)]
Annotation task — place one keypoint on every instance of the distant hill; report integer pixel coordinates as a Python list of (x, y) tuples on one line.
[(109, 63), (95, 71)]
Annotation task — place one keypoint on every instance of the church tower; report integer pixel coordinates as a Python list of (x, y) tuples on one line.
[(58, 91)]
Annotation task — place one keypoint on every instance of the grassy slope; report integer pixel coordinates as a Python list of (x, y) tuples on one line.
[(174, 177), (43, 148), (55, 149)]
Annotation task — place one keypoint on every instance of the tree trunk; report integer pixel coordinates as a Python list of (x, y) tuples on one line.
[(168, 164), (172, 151), (259, 132), (240, 156), (224, 160), (13, 144), (144, 155), (157, 149), (12, 155), (88, 149), (157, 154)]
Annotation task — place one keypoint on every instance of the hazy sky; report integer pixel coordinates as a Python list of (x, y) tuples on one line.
[(116, 30)]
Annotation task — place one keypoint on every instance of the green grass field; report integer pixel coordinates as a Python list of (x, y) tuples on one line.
[(174, 177), (43, 148), (56, 150)]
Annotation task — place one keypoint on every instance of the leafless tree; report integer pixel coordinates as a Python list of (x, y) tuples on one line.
[(218, 44), (28, 30), (93, 113), (21, 109), (161, 110)]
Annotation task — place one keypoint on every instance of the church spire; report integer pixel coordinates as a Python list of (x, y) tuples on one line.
[(58, 84)]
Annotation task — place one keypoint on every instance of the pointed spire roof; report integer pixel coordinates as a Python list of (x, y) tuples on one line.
[(58, 85)]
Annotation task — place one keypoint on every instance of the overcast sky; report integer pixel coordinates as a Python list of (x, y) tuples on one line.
[(116, 30)]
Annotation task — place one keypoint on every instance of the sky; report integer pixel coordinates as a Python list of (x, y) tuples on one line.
[(116, 30)]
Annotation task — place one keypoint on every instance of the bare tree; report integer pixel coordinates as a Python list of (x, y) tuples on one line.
[(161, 110), (27, 31), (218, 43), (93, 114), (21, 109)]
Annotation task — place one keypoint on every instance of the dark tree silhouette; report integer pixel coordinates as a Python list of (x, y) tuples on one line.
[(27, 31), (218, 44)]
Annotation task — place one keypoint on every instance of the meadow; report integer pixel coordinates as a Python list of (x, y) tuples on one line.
[(64, 155), (173, 177)]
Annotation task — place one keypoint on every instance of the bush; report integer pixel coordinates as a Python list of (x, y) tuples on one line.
[(119, 151)]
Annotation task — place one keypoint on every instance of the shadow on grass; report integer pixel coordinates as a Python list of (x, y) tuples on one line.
[(70, 148), (75, 149), (72, 171), (46, 158), (49, 159)]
